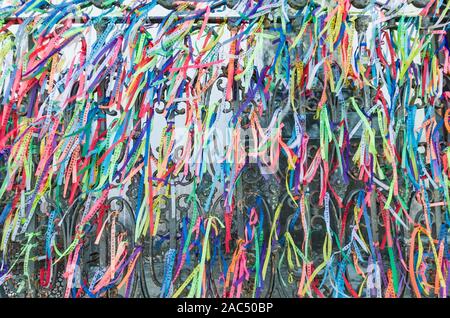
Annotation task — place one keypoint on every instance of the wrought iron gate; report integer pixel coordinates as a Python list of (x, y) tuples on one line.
[(92, 206)]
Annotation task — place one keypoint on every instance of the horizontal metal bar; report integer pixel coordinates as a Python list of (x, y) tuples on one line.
[(121, 20), (160, 19)]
